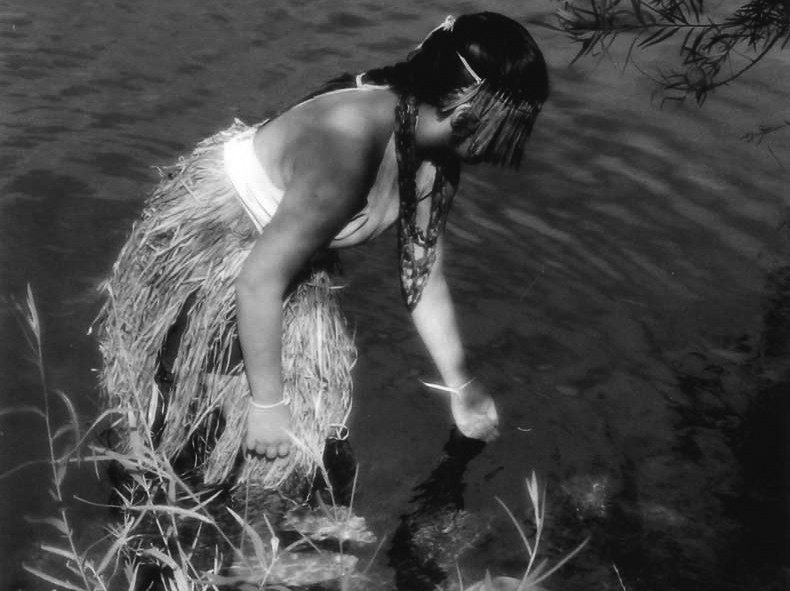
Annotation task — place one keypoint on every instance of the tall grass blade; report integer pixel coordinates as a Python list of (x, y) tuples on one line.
[(74, 422), (122, 538), (170, 510), (257, 542), (561, 563), (22, 409), (21, 467), (520, 529)]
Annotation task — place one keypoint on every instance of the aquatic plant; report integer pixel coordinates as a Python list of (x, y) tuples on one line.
[(183, 537), (77, 567), (715, 48), (534, 574), (165, 522)]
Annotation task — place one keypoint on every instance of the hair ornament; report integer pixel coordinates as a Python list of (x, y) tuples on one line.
[(447, 25)]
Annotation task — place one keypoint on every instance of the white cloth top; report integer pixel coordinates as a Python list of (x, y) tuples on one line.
[(260, 197)]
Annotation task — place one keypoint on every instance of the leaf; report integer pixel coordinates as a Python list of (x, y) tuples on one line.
[(561, 563), (58, 524), (50, 579), (22, 466), (257, 541), (60, 473), (131, 575), (171, 491), (520, 529), (60, 552), (181, 582), (179, 578), (23, 409), (60, 432), (32, 313), (112, 552), (161, 557), (75, 423), (170, 509)]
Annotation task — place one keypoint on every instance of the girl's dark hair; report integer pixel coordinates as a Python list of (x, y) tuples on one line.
[(497, 48)]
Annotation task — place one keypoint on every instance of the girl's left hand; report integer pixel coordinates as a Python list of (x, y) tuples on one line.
[(474, 412)]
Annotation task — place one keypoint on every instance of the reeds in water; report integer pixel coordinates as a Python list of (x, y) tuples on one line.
[(536, 572), (173, 536), (170, 534)]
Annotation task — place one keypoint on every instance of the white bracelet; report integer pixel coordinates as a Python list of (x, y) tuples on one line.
[(448, 389), (283, 401)]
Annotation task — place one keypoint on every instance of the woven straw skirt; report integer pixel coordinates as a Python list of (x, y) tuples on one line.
[(178, 267)]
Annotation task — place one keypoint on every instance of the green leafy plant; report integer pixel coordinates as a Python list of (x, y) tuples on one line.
[(163, 522), (81, 573), (714, 51), (536, 572)]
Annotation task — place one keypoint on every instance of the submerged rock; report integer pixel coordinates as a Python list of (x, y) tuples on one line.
[(329, 523), (293, 569), (503, 584), (589, 495)]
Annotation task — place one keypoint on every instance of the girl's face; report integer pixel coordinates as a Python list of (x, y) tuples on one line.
[(464, 125)]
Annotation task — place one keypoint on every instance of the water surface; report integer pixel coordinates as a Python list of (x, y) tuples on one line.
[(612, 292)]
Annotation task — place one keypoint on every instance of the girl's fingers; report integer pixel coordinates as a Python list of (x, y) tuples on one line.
[(269, 450)]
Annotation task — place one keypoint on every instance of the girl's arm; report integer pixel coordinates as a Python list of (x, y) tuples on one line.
[(434, 317), (313, 209)]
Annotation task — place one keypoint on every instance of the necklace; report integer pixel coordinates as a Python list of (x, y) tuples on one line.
[(416, 246)]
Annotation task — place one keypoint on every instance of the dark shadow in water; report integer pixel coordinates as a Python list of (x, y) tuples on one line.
[(421, 542), (762, 446), (733, 422)]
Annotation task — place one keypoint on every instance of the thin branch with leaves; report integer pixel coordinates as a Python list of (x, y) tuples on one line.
[(714, 51)]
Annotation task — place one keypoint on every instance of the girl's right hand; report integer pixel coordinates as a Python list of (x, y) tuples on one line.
[(267, 431)]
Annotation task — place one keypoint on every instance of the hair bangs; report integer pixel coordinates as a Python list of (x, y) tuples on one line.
[(505, 124)]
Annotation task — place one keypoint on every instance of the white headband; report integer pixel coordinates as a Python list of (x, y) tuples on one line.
[(447, 25), (469, 69)]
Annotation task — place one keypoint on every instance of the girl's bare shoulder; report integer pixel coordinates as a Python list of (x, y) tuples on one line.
[(343, 133)]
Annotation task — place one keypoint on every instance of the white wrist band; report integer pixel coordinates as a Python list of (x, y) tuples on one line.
[(258, 405), (456, 390)]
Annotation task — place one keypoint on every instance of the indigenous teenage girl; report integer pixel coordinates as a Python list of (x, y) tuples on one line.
[(227, 233)]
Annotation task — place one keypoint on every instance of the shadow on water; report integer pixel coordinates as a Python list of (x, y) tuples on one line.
[(731, 444), (434, 534)]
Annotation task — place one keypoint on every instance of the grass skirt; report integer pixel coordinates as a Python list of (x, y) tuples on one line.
[(184, 254)]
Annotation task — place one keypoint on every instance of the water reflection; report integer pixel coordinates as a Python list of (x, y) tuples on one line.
[(432, 537)]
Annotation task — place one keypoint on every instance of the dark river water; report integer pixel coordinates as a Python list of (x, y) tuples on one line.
[(625, 294)]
